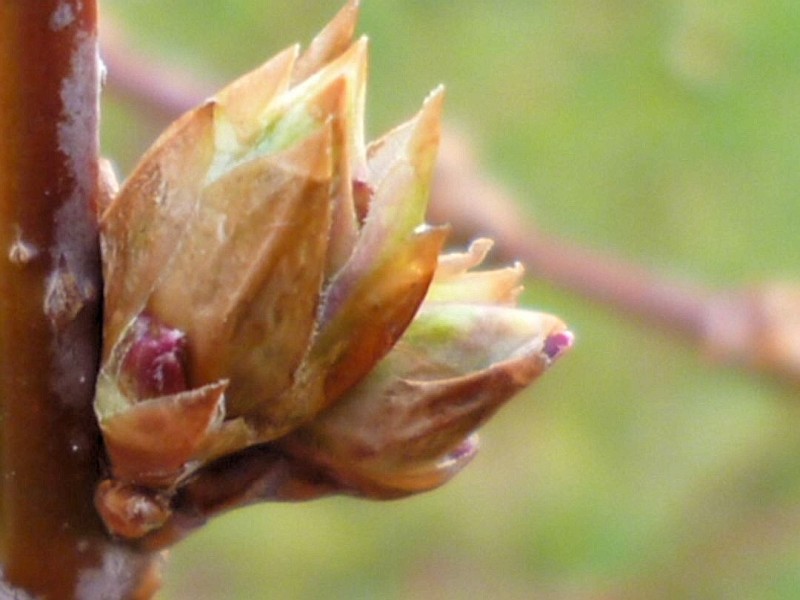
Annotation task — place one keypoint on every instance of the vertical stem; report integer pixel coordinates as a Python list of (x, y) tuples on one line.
[(52, 544)]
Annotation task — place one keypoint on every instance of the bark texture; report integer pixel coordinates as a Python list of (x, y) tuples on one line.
[(52, 543)]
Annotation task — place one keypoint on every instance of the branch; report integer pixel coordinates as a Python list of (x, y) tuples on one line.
[(474, 204), (53, 544), (754, 327)]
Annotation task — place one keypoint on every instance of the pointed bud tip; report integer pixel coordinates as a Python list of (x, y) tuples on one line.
[(466, 450), (557, 344), (434, 101)]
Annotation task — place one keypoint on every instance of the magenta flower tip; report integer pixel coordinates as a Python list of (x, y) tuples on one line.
[(558, 343)]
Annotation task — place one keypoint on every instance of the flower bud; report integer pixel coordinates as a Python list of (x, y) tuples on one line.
[(264, 274), (409, 425)]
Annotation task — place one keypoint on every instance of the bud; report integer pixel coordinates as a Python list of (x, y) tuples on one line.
[(409, 425), (264, 273)]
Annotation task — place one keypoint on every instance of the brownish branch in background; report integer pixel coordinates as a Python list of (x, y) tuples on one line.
[(159, 90), (758, 328), (53, 544), (475, 204)]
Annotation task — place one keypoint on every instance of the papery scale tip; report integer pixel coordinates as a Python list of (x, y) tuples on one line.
[(330, 42), (557, 344)]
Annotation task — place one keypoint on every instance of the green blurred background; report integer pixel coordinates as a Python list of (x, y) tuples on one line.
[(666, 131)]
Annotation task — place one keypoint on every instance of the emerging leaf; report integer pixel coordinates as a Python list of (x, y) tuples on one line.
[(275, 300)]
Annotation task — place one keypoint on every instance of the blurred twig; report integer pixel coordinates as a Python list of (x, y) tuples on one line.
[(758, 328), (475, 204), (160, 90)]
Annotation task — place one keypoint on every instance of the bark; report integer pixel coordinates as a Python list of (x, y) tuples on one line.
[(52, 544)]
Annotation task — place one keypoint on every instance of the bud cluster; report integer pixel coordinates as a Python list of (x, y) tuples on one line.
[(271, 280)]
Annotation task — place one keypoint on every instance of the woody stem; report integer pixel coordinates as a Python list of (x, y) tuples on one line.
[(52, 543)]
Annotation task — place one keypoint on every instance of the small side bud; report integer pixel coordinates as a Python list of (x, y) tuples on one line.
[(130, 511), (155, 362)]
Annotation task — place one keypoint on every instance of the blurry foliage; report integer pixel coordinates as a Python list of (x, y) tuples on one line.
[(665, 130)]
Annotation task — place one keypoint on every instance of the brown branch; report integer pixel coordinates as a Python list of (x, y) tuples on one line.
[(258, 474), (756, 327), (53, 544), (475, 205)]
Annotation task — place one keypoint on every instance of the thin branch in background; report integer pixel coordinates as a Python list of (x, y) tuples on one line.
[(753, 327), (475, 204), (159, 90), (756, 328)]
